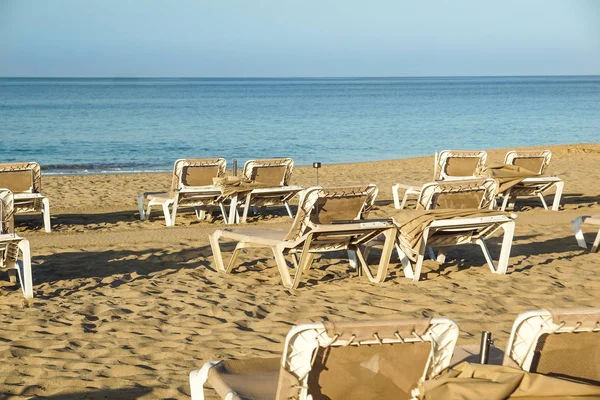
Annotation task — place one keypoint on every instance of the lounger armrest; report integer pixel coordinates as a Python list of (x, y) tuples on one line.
[(358, 226), (193, 189), (277, 189), (10, 236), (27, 196), (542, 179), (458, 222)]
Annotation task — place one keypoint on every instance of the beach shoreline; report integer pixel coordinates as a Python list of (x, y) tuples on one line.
[(125, 308)]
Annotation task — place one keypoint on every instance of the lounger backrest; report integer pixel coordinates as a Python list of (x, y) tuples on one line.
[(534, 161), (451, 164), (562, 343), (458, 194), (6, 212), (23, 177), (364, 360), (190, 172), (344, 203), (356, 199), (272, 171)]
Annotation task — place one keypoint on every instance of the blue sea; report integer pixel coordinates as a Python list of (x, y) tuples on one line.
[(125, 125)]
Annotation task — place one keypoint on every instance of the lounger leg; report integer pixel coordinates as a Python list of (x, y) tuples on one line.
[(148, 211), (487, 255), (198, 378), (396, 195), (406, 264), (234, 256), (167, 214), (25, 274), (404, 200), (288, 209), (507, 240), (140, 201), (557, 195), (200, 213), (359, 260), (384, 261), (12, 275), (284, 271), (304, 265), (421, 256), (541, 196), (353, 259), (246, 208), (46, 214), (596, 243), (223, 212), (232, 209), (213, 238), (441, 256), (576, 224), (505, 200)]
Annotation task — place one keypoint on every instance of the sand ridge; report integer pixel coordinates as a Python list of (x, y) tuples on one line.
[(126, 308)]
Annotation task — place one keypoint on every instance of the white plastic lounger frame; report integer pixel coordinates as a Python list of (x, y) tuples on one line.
[(459, 231), (531, 325), (535, 186), (441, 172), (305, 238), (183, 194), (280, 193), (589, 220), (303, 341), (11, 246), (27, 189)]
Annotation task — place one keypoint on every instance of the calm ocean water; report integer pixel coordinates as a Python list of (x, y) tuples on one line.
[(111, 125)]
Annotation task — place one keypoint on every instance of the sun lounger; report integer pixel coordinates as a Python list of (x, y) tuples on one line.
[(562, 343), (327, 220), (15, 256), (192, 186), (591, 220), (450, 213), (347, 360), (275, 173), (24, 179), (536, 162), (448, 165)]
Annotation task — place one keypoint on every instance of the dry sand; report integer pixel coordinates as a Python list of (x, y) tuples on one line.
[(126, 308)]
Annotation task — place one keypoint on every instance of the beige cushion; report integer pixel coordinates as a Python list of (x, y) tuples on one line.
[(17, 181), (461, 166), (199, 175), (533, 164), (459, 200), (272, 176), (570, 355), (330, 209), (368, 372)]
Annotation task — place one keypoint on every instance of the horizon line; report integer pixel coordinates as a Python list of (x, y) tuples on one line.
[(298, 77)]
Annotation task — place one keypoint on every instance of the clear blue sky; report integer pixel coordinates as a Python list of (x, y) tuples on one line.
[(283, 38)]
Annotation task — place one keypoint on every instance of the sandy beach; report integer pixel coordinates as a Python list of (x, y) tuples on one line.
[(125, 308)]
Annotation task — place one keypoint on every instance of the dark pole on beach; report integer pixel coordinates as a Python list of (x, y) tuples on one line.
[(234, 167), (484, 349), (316, 166)]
